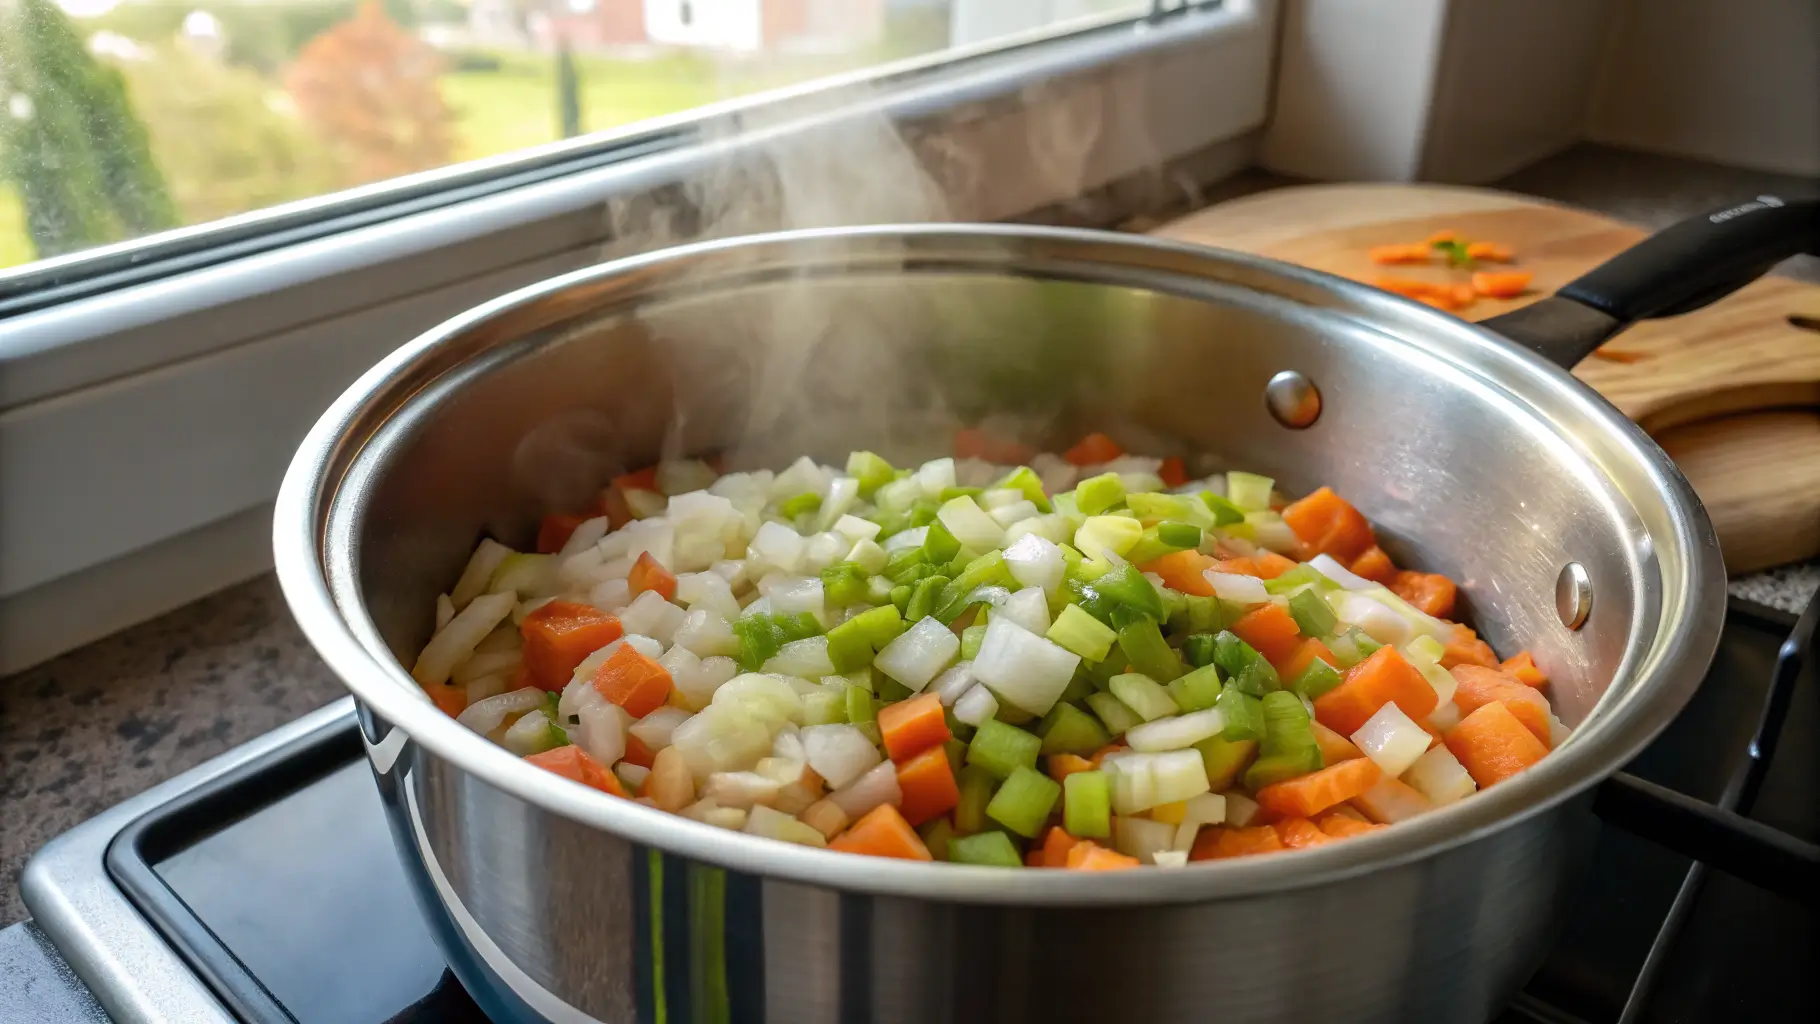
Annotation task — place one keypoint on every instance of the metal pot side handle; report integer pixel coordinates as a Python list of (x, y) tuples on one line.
[(1677, 270), (1721, 836)]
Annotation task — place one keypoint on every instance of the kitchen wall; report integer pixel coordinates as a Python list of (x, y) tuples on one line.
[(1731, 81)]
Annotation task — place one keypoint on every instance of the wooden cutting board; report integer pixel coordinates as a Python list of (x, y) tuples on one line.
[(1700, 383)]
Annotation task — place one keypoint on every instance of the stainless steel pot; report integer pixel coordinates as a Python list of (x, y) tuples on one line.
[(1475, 457)]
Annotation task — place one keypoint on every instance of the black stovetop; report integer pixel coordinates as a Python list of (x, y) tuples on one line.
[(307, 894)]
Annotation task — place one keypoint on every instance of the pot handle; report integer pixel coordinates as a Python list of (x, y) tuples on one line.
[(1677, 270)]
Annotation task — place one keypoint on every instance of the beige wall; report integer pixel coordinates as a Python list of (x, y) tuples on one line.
[(1733, 81)]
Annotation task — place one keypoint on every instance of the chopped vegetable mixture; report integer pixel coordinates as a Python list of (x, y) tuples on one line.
[(1087, 662)]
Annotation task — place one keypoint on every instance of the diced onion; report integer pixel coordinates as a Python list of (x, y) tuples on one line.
[(932, 478), (1180, 775), (1006, 515), (1036, 562), (1439, 776), (655, 729), (482, 564), (919, 653), (837, 498), (904, 540), (1028, 608), (839, 753), (950, 685), (651, 615), (970, 524), (739, 789), (720, 739), (868, 556), (1392, 739), (529, 735), (774, 824), (804, 659), (1170, 858), (1330, 567), (1022, 668), (485, 716), (1241, 810), (875, 788), (778, 546), (706, 633), (767, 698), (445, 610), (976, 705), (856, 529), (790, 595), (456, 641), (1445, 716), (1233, 587), (600, 729), (1177, 731), (1141, 837), (1371, 615)]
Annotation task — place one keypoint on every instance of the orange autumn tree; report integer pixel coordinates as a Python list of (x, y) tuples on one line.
[(368, 88)]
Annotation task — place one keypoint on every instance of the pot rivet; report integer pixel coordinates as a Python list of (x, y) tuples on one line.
[(1573, 595), (1292, 399)]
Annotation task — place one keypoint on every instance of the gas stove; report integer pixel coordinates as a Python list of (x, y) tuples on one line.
[(262, 886)]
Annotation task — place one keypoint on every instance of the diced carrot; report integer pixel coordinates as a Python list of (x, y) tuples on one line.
[(1101, 754), (1270, 565), (1328, 524), (912, 726), (1522, 666), (1090, 856), (1057, 845), (1443, 302), (1063, 765), (1093, 450), (1315, 792), (1172, 472), (1463, 296), (973, 443), (1220, 843), (1272, 632), (927, 784), (1412, 288), (643, 480), (1435, 735), (450, 700), (572, 762), (1383, 678), (554, 531), (1493, 744), (1616, 355), (1501, 284), (1334, 747), (1391, 800), (1374, 565), (1430, 592), (1300, 834), (882, 832), (1033, 858), (613, 505), (1340, 825), (559, 635), (1465, 648), (1304, 656), (1477, 686), (1184, 571), (1444, 235), (1239, 565), (1490, 252), (649, 574), (1410, 253), (633, 681), (637, 753)]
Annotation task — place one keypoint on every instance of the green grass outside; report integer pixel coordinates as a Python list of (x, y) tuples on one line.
[(15, 245)]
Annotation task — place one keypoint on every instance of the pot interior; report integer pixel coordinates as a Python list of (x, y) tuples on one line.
[(1470, 459)]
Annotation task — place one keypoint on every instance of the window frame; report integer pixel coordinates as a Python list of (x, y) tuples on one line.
[(153, 412)]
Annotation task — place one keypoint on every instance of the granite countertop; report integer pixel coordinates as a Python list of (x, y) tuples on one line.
[(95, 726)]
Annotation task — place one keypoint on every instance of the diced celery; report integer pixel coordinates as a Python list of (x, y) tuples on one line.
[(1087, 805), (1289, 747), (955, 748), (939, 545), (1143, 695), (1243, 714), (1097, 494), (902, 560), (1197, 690), (1001, 748), (1316, 679), (1081, 633), (1024, 479), (852, 644), (1079, 687), (1127, 586), (988, 569), (1301, 576), (1225, 513), (1243, 665), (991, 849), (1179, 535), (800, 504), (1346, 646), (1274, 768), (1249, 491), (860, 707), (1023, 803), (843, 584), (1100, 537), (1100, 673), (1225, 759), (900, 597), (976, 785), (1313, 616), (890, 691), (826, 706), (1114, 712), (871, 471), (759, 639), (1198, 649), (1011, 714), (923, 597), (1069, 730), (1428, 647), (937, 836), (1143, 645), (971, 639), (1153, 507), (1196, 614)]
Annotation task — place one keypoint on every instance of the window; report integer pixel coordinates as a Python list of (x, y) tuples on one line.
[(166, 348), (124, 118)]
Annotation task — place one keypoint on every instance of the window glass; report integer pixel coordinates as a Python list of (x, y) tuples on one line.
[(122, 118)]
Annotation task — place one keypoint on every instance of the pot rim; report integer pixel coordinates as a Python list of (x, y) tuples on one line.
[(1652, 684)]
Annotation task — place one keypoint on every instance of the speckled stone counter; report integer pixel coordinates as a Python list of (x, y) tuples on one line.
[(85, 731)]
